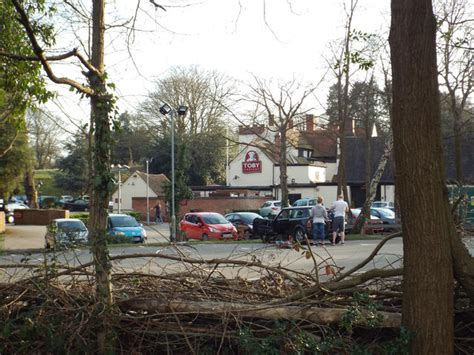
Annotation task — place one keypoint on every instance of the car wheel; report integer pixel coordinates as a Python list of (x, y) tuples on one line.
[(298, 235), (205, 237)]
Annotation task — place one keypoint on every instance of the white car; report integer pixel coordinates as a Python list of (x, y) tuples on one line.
[(383, 204), (270, 209), (66, 232)]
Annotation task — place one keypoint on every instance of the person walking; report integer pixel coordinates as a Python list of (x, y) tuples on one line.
[(320, 216), (157, 208), (340, 208)]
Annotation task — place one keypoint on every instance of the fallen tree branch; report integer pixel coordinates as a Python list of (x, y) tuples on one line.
[(324, 316), (370, 257)]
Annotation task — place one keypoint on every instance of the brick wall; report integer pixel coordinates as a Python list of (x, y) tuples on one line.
[(221, 205), (38, 217)]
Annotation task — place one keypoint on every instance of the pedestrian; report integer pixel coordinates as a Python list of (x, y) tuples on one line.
[(157, 208), (320, 216), (340, 208)]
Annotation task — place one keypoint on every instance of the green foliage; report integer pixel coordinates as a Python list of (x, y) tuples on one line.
[(132, 141), (22, 79), (363, 310), (14, 163), (73, 168), (48, 179), (285, 337)]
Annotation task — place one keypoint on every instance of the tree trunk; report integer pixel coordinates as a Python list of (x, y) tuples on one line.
[(102, 181), (372, 187), (30, 188), (283, 172), (428, 269)]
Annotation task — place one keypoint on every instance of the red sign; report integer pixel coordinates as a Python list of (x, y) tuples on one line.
[(251, 164)]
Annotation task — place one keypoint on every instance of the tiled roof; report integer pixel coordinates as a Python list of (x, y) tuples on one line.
[(155, 181)]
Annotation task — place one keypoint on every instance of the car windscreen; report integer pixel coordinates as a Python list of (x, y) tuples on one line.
[(214, 219), (123, 221), (248, 218), (278, 204), (71, 226)]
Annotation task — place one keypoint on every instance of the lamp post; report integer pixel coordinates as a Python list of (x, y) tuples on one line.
[(119, 169), (148, 161), (164, 110)]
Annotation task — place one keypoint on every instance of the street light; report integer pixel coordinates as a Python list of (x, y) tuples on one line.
[(148, 161), (119, 168), (164, 110)]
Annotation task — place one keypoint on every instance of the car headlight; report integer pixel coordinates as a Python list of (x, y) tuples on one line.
[(143, 233), (213, 230), (234, 229)]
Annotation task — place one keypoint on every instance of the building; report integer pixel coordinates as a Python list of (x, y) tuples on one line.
[(135, 186), (312, 162)]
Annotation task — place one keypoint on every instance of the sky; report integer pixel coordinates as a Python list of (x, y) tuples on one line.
[(278, 39)]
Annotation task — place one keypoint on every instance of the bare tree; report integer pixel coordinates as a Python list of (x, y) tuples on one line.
[(283, 104), (456, 65), (344, 55), (44, 138)]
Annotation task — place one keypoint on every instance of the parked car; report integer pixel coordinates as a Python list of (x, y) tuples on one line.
[(45, 201), (291, 222), (123, 225), (10, 208), (305, 202), (207, 225), (65, 232), (243, 222), (375, 223), (78, 205), (270, 209), (383, 204)]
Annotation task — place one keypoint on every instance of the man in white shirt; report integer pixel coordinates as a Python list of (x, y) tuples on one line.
[(340, 208)]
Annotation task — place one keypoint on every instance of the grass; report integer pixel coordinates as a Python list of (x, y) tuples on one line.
[(47, 177)]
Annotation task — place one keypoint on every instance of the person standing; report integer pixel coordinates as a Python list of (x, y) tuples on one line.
[(157, 208), (340, 208), (319, 215)]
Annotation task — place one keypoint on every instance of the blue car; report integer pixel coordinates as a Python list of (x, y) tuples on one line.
[(122, 225)]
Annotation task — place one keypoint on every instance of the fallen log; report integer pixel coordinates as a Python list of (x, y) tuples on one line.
[(322, 316)]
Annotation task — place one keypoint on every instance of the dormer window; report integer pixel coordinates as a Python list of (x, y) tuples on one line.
[(305, 153)]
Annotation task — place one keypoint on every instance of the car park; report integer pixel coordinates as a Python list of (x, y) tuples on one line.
[(243, 222), (304, 202), (65, 232), (123, 225), (270, 209), (207, 225), (294, 222), (383, 204), (375, 224), (78, 205)]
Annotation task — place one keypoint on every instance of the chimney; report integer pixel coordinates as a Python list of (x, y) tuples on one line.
[(309, 122), (271, 120)]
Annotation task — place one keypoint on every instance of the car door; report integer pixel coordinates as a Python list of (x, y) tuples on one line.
[(282, 222), (192, 226)]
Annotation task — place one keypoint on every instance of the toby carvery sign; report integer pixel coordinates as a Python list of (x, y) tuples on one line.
[(251, 164)]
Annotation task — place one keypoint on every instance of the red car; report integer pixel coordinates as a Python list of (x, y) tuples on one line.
[(207, 225)]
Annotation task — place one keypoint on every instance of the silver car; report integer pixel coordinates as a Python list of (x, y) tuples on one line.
[(270, 209), (65, 232)]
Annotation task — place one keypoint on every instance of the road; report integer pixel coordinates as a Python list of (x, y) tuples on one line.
[(24, 244)]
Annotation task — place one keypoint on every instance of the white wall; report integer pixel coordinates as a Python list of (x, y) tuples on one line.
[(387, 193), (238, 178), (134, 186)]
